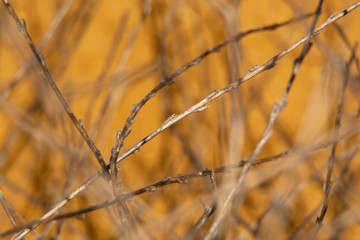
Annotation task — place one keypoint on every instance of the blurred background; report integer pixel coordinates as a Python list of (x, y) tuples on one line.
[(107, 55)]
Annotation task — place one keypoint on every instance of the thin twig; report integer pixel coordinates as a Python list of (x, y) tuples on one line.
[(198, 107), (124, 218), (332, 191), (7, 209), (281, 203), (208, 211), (277, 109), (169, 79), (121, 135), (25, 67), (327, 186), (46, 74), (33, 224), (178, 179), (202, 105), (12, 214)]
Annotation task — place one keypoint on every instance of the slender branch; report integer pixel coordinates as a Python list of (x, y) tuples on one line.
[(277, 109), (178, 179), (344, 170), (7, 209), (202, 105), (196, 108), (327, 186), (33, 224), (46, 74), (12, 214), (208, 211), (170, 79), (25, 67)]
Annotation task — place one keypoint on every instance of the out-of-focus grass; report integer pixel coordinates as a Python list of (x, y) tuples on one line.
[(106, 56)]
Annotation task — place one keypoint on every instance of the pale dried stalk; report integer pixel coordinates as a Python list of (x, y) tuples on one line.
[(24, 68), (202, 105), (46, 74), (169, 79), (331, 161), (348, 132), (277, 109)]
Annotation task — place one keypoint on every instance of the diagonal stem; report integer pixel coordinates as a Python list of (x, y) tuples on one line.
[(46, 74)]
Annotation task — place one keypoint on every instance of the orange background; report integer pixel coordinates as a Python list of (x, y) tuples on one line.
[(43, 158)]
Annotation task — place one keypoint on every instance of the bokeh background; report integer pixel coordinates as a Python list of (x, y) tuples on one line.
[(107, 55)]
